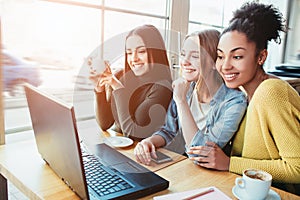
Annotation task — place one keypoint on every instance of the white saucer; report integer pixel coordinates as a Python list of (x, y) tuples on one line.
[(118, 141), (240, 194)]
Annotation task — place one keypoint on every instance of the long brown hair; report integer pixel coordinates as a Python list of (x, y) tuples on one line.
[(154, 44)]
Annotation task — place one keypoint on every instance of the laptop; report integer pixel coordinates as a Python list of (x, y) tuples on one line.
[(59, 144), (288, 67), (286, 70)]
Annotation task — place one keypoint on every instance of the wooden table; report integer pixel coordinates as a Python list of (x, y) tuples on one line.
[(185, 175), (22, 165), (92, 135)]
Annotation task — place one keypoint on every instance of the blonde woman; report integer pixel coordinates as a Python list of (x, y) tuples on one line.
[(203, 108)]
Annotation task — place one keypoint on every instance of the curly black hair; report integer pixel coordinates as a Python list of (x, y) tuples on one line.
[(259, 22)]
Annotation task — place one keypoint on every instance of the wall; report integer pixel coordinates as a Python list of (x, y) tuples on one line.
[(2, 129)]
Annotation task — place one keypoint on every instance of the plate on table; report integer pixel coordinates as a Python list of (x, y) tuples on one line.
[(118, 141), (240, 194)]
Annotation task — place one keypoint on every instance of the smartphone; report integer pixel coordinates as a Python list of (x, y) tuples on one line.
[(107, 66), (161, 158), (97, 65)]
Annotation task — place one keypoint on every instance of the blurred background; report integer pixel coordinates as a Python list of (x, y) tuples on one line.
[(46, 42)]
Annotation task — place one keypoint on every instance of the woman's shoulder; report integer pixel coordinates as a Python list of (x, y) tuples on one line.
[(273, 82), (162, 85), (230, 94), (275, 93), (274, 86)]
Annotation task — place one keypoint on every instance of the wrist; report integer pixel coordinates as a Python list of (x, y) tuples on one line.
[(157, 141), (98, 89), (181, 104), (117, 87)]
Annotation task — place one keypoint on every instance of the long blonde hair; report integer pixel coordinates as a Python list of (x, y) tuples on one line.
[(208, 40)]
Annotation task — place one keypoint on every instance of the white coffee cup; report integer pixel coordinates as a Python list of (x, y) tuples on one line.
[(256, 183)]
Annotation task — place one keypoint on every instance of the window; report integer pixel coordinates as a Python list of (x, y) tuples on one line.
[(216, 14), (63, 33), (155, 7), (292, 54), (211, 14), (59, 35), (116, 26)]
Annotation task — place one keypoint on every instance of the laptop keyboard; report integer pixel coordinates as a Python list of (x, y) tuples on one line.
[(100, 179)]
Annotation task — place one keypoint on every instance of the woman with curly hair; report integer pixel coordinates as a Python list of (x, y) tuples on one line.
[(269, 135)]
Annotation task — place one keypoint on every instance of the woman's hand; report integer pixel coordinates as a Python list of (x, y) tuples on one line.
[(108, 78), (210, 156), (143, 151), (105, 78), (180, 88), (95, 78)]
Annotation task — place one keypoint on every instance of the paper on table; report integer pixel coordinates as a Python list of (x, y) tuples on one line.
[(216, 194)]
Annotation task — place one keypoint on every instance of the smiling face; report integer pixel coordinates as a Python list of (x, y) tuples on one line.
[(190, 59), (237, 61), (137, 56)]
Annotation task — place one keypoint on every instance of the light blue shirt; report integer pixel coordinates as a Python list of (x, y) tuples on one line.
[(226, 111)]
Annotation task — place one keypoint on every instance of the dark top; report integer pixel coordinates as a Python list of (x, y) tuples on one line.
[(138, 109)]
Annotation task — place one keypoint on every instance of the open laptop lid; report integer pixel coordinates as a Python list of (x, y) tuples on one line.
[(288, 67), (57, 140), (52, 122)]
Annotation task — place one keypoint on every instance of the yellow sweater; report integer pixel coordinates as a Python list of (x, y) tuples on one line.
[(269, 135)]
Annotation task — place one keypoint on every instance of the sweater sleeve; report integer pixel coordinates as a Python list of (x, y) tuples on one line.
[(272, 133), (148, 116), (103, 111)]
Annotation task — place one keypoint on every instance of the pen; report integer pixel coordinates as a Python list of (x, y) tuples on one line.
[(209, 190)]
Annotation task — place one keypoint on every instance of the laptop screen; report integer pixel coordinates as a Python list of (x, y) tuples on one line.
[(52, 122)]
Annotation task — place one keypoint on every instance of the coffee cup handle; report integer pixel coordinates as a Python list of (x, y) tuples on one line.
[(240, 182)]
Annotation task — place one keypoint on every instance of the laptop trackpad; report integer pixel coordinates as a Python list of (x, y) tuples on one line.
[(113, 159), (128, 167)]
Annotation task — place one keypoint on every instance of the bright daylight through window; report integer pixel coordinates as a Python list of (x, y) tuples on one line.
[(51, 40)]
